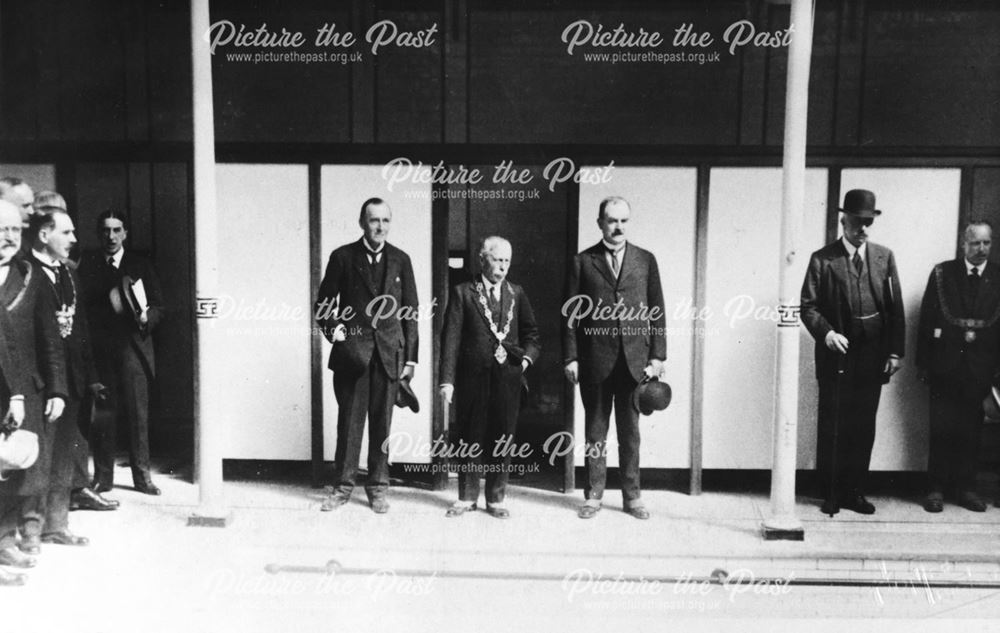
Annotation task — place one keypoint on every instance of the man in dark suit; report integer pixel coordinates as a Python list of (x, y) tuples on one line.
[(121, 326), (370, 356), (78, 357), (27, 306), (852, 306), (490, 339), (958, 352), (615, 337), (52, 235)]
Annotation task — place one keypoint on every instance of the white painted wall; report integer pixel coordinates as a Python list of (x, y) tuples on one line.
[(264, 268), (744, 228)]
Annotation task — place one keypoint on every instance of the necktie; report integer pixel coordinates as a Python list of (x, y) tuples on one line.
[(859, 263), (494, 298), (974, 275), (111, 262), (615, 266)]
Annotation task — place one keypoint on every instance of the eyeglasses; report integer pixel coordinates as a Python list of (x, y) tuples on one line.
[(10, 230)]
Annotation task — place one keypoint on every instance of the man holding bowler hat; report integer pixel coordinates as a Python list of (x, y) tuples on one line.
[(852, 306)]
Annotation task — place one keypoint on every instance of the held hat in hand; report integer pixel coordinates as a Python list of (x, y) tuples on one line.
[(651, 395), (406, 398), (123, 298), (861, 203)]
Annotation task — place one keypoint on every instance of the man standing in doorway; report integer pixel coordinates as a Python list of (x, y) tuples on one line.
[(370, 356), (122, 322), (852, 306)]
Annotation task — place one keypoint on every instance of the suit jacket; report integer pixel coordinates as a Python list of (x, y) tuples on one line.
[(642, 334), (826, 301), (31, 331), (941, 346), (468, 344), (81, 371), (13, 379), (348, 286), (115, 334)]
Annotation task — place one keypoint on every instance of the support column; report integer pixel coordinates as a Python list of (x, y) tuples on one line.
[(782, 523), (210, 379)]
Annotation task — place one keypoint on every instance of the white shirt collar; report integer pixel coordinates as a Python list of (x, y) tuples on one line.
[(44, 258), (617, 250), (489, 284), (969, 266), (117, 257), (369, 248), (862, 250)]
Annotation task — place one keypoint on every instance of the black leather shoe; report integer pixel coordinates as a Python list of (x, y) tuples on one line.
[(13, 557), (459, 510), (498, 512), (830, 507), (858, 504), (65, 538), (147, 488), (87, 499), (639, 512), (8, 579), (588, 511), (971, 501), (30, 545), (934, 502), (335, 499), (379, 505)]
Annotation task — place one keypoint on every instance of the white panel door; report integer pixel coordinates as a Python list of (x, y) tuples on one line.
[(343, 189), (744, 236), (663, 201), (265, 311), (919, 222)]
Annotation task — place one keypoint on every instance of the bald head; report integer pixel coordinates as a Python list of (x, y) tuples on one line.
[(18, 193), (10, 230)]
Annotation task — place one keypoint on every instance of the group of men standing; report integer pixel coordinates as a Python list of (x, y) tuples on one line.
[(489, 342), (76, 351), (852, 305)]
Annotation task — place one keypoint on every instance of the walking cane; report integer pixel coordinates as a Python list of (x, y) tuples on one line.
[(837, 387)]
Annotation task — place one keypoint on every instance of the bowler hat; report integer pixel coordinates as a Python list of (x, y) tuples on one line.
[(406, 398), (860, 202), (651, 395)]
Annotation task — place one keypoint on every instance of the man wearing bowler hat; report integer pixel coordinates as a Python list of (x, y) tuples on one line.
[(852, 306)]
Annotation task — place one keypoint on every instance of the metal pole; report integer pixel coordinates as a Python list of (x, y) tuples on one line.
[(209, 413), (782, 523)]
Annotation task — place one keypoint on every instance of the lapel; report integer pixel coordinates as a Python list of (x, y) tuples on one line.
[(986, 296), (630, 263), (16, 281), (391, 267), (841, 266), (361, 266), (477, 294), (878, 271), (600, 262), (506, 299)]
